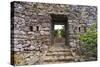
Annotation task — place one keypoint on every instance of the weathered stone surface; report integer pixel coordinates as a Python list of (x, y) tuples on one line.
[(44, 33), (32, 28), (26, 57)]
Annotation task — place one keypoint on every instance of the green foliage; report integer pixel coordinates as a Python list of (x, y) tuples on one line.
[(90, 41), (55, 33), (62, 33)]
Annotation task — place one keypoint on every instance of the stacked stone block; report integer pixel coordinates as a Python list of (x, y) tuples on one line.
[(31, 28)]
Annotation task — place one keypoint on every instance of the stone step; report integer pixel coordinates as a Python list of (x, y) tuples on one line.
[(59, 50), (59, 58), (56, 62), (59, 54)]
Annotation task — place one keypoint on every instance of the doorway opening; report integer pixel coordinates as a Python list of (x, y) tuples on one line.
[(59, 30), (59, 35)]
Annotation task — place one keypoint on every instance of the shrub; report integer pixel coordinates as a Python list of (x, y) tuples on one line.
[(90, 41), (62, 33), (55, 33)]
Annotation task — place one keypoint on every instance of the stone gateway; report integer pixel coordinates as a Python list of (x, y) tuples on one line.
[(32, 26)]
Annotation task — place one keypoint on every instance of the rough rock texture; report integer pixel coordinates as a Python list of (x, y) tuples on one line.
[(31, 28)]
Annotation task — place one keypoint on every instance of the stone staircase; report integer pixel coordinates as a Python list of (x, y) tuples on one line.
[(60, 56)]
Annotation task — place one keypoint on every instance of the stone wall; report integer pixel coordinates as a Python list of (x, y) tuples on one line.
[(31, 28)]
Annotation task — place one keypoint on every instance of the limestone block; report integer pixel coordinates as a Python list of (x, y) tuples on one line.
[(32, 47), (15, 42), (34, 21), (70, 21), (28, 6), (43, 47), (21, 21), (16, 19), (44, 33), (16, 31), (19, 8), (27, 19), (29, 13), (22, 49), (37, 48), (22, 32), (19, 59), (25, 45), (46, 25), (19, 46), (26, 29), (84, 15), (45, 29), (28, 42), (16, 49), (31, 33), (32, 59), (71, 29), (72, 44)]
